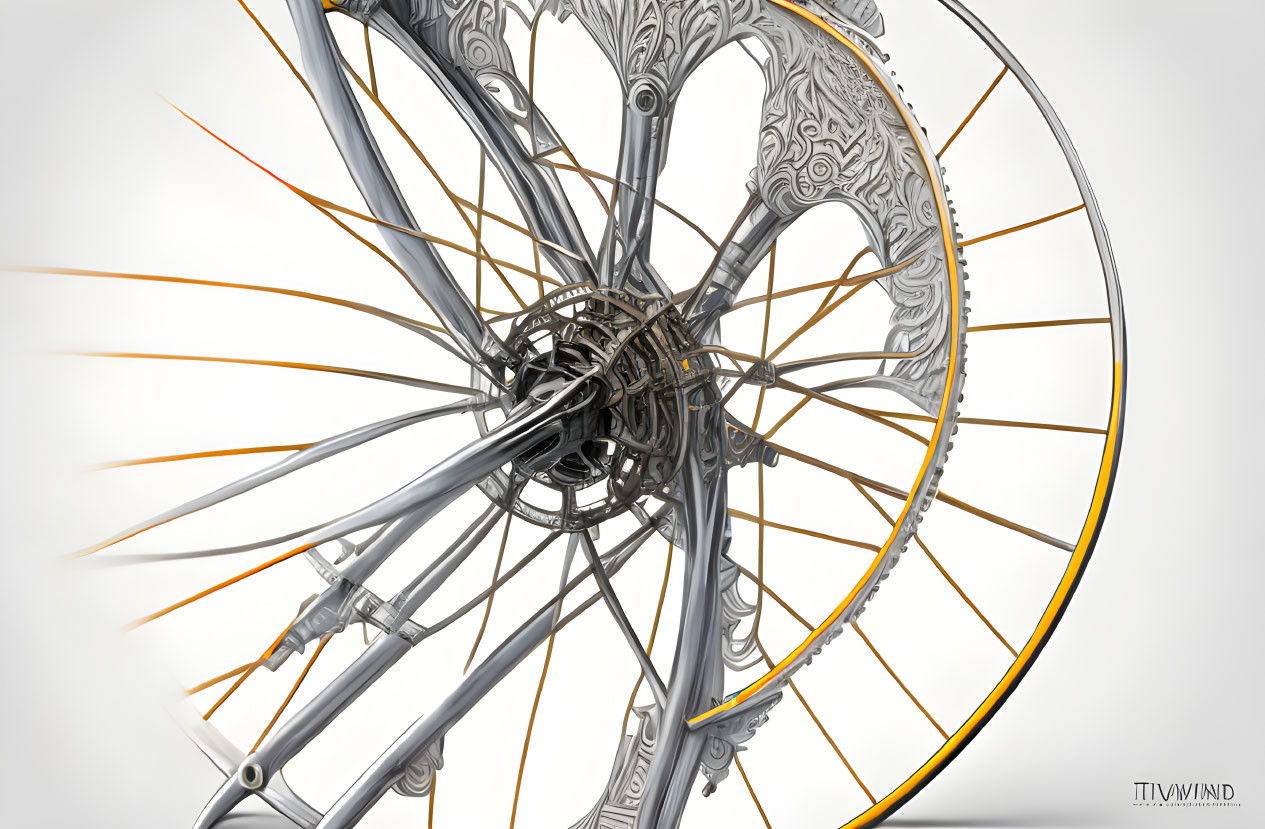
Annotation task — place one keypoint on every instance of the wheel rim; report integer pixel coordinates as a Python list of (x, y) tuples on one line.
[(753, 696)]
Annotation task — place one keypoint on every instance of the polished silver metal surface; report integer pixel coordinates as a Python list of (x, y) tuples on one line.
[(608, 395)]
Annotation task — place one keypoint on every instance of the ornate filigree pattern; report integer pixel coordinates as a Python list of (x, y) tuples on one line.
[(830, 132)]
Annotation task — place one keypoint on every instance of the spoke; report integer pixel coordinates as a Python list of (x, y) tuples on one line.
[(476, 231), (1011, 326), (415, 382), (144, 620), (383, 773), (318, 452), (373, 75), (894, 492), (416, 326), (762, 587), (902, 685), (1020, 424), (755, 519), (751, 791), (974, 110), (842, 282), (812, 715), (246, 674), (589, 175), (621, 620), (880, 415), (918, 540), (277, 47), (329, 215), (855, 283), (343, 116), (215, 453), (540, 686), (417, 502), (535, 189), (1023, 226), (654, 632), (210, 683), (487, 611), (868, 414), (293, 690)]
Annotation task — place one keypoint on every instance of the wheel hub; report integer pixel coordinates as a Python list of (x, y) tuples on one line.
[(622, 440)]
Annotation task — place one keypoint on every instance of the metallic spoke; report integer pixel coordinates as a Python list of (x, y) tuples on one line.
[(1023, 226), (971, 114), (318, 452), (621, 620), (654, 632), (487, 611)]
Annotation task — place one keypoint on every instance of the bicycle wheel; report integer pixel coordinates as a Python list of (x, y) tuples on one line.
[(628, 393)]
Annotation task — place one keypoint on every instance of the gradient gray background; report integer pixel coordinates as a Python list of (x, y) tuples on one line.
[(1154, 673)]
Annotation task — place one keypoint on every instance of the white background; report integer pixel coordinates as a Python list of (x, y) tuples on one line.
[(1154, 673)]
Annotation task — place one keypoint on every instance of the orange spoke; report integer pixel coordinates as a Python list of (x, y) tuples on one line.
[(496, 574), (277, 47), (416, 382), (1020, 424), (751, 791), (246, 675), (531, 723), (293, 690), (430, 807), (943, 572), (654, 631), (1023, 226), (217, 680), (495, 264), (974, 110), (407, 322), (775, 597), (373, 75), (144, 620), (902, 685), (786, 418), (574, 167), (218, 453), (764, 522), (869, 414), (808, 708), (1012, 326)]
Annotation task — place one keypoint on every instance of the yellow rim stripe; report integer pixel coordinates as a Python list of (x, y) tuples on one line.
[(951, 257)]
